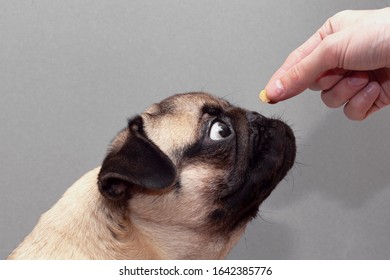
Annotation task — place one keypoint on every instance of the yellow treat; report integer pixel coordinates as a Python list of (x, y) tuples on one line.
[(263, 96)]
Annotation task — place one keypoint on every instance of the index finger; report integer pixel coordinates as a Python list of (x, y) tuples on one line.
[(298, 54), (273, 87)]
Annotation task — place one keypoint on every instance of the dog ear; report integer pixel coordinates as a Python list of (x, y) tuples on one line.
[(138, 162)]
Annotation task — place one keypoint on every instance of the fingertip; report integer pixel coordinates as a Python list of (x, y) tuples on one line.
[(289, 83), (274, 91), (292, 83)]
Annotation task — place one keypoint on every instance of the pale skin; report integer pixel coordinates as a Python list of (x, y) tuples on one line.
[(348, 59)]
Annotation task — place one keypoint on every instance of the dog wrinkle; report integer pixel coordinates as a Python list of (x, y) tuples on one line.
[(169, 142)]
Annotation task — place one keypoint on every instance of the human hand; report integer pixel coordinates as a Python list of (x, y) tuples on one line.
[(348, 59)]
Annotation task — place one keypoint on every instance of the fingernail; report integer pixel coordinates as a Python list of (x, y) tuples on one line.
[(275, 90), (371, 89), (279, 87), (357, 81)]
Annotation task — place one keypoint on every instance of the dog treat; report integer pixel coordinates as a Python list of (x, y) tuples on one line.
[(263, 96)]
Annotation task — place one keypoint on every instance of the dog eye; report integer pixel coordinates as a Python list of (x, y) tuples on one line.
[(219, 131)]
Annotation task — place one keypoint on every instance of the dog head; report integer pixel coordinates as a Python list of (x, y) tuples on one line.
[(196, 161)]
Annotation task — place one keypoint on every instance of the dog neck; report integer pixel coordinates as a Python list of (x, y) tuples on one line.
[(181, 242), (138, 237), (131, 236)]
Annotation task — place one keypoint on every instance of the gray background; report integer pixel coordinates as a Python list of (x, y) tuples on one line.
[(72, 72)]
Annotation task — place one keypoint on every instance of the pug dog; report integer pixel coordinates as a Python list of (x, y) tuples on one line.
[(181, 181)]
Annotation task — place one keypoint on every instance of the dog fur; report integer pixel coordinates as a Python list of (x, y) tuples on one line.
[(166, 189)]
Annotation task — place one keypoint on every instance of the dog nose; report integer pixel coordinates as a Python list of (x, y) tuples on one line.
[(253, 116)]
